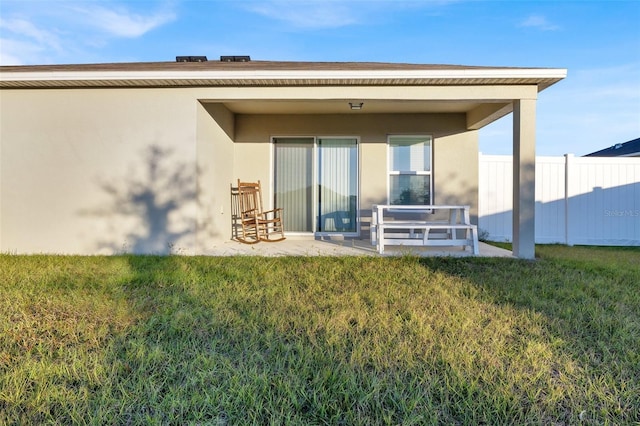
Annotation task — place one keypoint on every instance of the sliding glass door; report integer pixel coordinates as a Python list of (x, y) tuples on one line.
[(338, 185), (316, 182), (293, 182)]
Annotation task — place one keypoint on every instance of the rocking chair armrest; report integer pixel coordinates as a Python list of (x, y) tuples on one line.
[(277, 209)]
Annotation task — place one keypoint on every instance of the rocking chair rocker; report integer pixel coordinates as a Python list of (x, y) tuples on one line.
[(255, 223)]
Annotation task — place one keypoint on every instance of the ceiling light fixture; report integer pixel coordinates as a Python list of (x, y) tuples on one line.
[(356, 106)]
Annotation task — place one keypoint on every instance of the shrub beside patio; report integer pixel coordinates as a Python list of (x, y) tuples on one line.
[(322, 340)]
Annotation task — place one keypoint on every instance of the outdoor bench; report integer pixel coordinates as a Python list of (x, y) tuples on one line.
[(456, 231)]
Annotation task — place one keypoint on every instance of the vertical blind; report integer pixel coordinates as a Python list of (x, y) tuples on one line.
[(293, 182), (410, 154), (337, 177)]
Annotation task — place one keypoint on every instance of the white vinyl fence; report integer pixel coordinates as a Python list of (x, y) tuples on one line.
[(579, 200)]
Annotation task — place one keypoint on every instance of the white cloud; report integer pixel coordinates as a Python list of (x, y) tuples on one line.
[(24, 28), (539, 22), (306, 14), (24, 41), (33, 34), (121, 22), (327, 14), (14, 52)]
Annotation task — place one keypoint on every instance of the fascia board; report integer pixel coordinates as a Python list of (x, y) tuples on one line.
[(284, 75)]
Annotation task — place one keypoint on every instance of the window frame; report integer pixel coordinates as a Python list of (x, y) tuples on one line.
[(391, 172)]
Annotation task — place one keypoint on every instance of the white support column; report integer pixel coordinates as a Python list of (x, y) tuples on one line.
[(524, 175)]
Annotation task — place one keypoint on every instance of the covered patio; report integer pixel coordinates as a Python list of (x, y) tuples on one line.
[(393, 100)]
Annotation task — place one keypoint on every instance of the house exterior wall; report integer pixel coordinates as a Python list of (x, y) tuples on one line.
[(92, 171), (215, 153), (98, 171), (456, 170), (455, 176)]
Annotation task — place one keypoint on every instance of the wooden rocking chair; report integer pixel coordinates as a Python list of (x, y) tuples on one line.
[(255, 223)]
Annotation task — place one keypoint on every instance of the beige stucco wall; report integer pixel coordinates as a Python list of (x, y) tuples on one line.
[(98, 171), (215, 153), (455, 171), (148, 170)]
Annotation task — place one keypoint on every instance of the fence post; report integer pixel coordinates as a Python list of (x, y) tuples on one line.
[(567, 195)]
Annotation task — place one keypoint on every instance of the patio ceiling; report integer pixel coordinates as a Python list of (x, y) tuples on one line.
[(341, 106)]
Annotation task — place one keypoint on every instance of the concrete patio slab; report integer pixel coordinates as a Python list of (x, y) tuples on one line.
[(309, 246)]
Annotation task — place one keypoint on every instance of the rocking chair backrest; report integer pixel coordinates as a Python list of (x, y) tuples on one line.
[(249, 198)]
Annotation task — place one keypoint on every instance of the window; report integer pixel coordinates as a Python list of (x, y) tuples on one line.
[(410, 170)]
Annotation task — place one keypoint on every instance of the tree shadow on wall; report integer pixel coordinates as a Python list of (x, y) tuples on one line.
[(146, 207)]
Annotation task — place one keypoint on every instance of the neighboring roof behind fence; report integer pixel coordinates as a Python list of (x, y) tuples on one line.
[(627, 149)]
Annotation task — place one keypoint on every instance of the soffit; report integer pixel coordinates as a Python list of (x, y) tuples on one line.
[(269, 74)]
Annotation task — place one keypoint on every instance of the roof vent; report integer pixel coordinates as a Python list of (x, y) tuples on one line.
[(235, 58), (191, 59)]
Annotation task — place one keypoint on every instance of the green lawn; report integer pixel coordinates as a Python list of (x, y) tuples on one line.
[(313, 340)]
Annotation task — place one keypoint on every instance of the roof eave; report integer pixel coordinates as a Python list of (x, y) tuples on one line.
[(543, 77)]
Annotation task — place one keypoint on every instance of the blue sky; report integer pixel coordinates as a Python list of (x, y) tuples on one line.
[(596, 106)]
